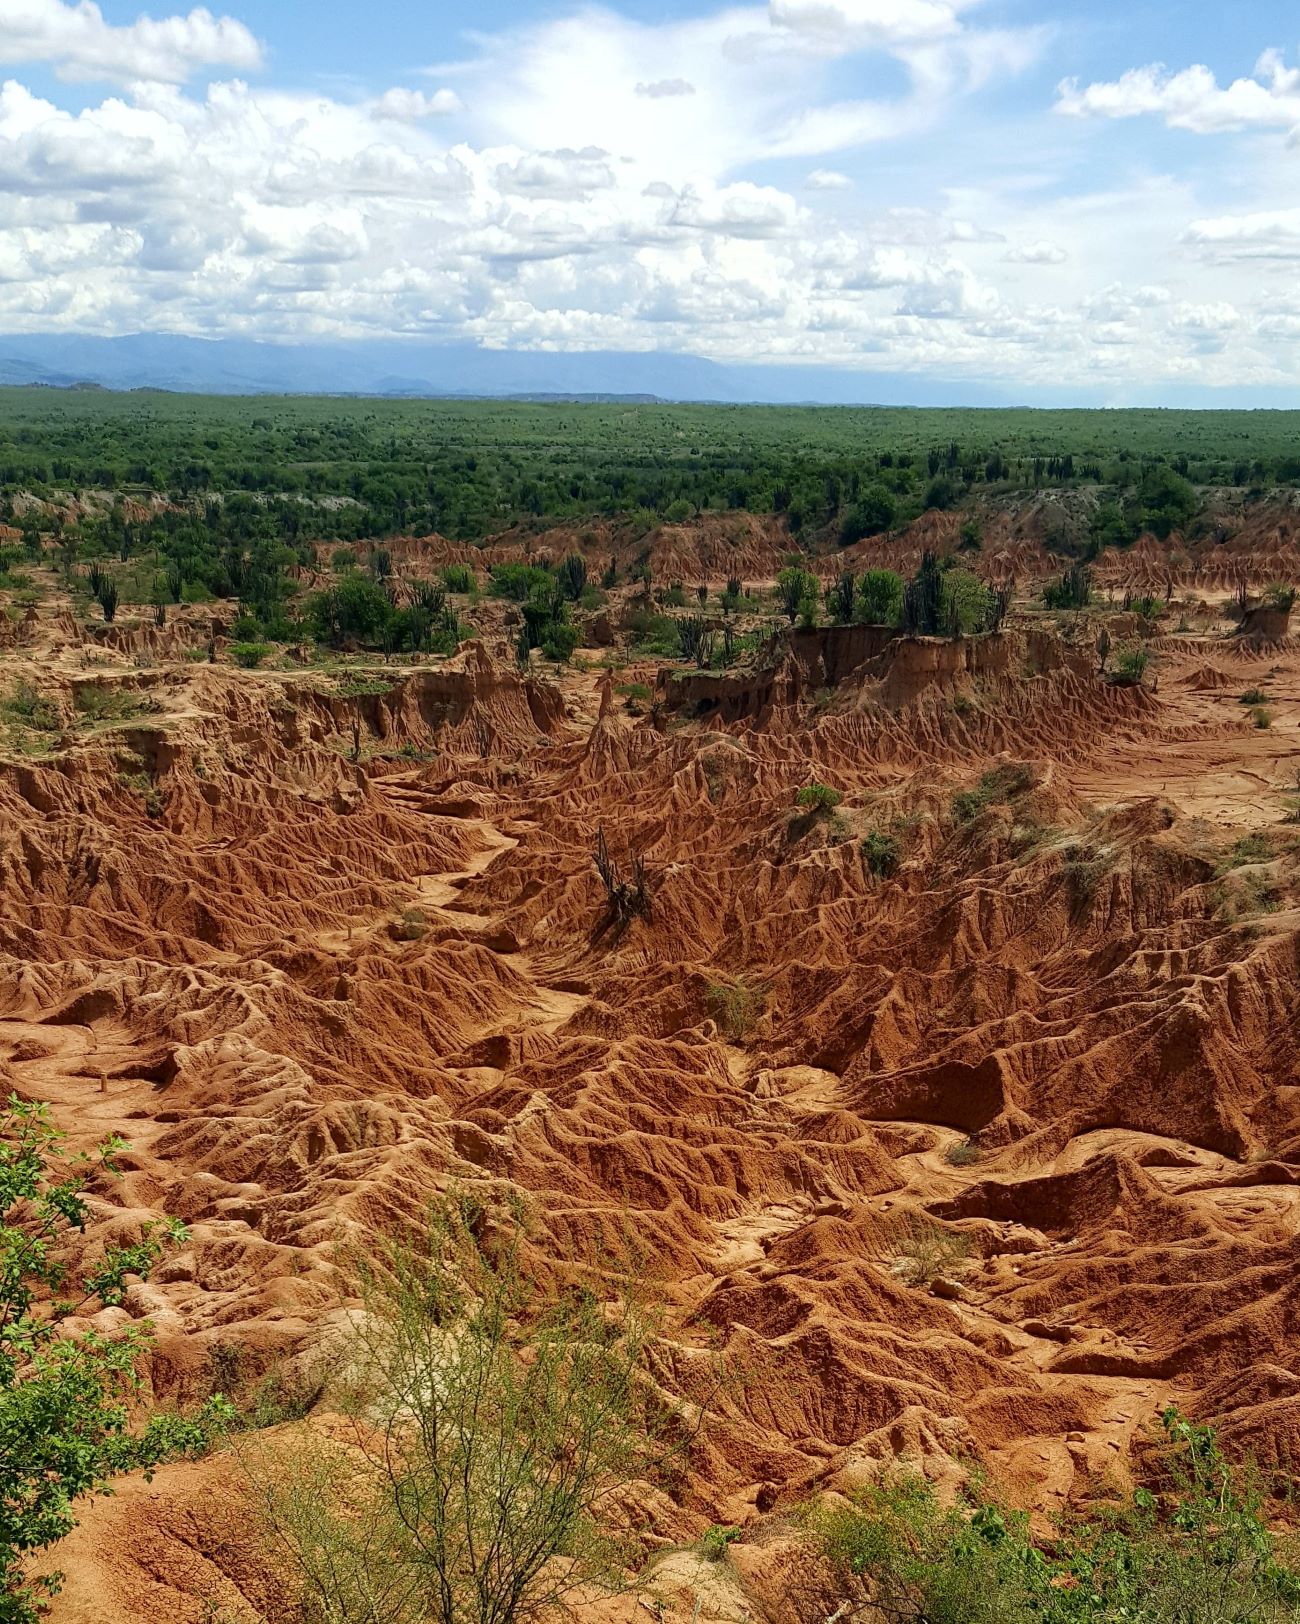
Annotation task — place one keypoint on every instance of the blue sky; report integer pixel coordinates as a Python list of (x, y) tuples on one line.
[(1095, 197)]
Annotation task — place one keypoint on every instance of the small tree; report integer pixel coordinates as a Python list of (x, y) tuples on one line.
[(880, 598), (107, 595), (494, 1436), (63, 1398)]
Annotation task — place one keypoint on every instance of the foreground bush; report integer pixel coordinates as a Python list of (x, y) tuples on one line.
[(494, 1437), (1198, 1553), (64, 1398)]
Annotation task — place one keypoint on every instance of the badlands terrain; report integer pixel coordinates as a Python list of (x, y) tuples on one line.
[(962, 1118)]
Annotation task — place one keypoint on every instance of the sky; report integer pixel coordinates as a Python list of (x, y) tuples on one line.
[(1099, 197)]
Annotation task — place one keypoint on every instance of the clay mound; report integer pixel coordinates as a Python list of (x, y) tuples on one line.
[(1208, 679)]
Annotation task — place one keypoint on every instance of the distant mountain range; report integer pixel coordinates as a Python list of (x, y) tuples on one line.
[(234, 366), (397, 368)]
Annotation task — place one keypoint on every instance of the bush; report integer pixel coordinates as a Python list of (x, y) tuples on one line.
[(966, 601), (713, 1542), (943, 493), (572, 576), (459, 578), (519, 582), (869, 516), (355, 609), (559, 641), (1165, 501), (995, 788), (1130, 667), (249, 655), (1072, 591), (880, 853), (736, 1006), (65, 1399), (28, 708), (1278, 596), (679, 512), (496, 1436), (1261, 716), (880, 598), (1200, 1552), (1253, 696), (107, 704), (924, 1250), (817, 798)]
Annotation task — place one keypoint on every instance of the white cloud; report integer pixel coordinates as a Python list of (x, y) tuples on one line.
[(79, 44), (413, 105), (1036, 253), (531, 197), (1268, 234), (1193, 99), (877, 22), (827, 180)]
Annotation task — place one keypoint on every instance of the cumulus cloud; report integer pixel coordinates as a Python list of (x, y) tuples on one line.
[(529, 198), (1193, 98), (413, 105), (77, 42), (827, 180), (1268, 234), (1036, 253)]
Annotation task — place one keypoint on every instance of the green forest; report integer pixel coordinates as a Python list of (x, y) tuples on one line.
[(347, 468)]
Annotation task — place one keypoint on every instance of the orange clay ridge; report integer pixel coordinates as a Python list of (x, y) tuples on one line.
[(989, 1159)]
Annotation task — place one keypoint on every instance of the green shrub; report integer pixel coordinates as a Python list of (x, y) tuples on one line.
[(995, 788), (925, 1250), (880, 598), (873, 512), (107, 704), (1072, 591), (1253, 696), (964, 1154), (1199, 1552), (966, 601), (1261, 716), (818, 798), (65, 1400), (1278, 596), (713, 1542), (736, 1006), (1130, 667), (249, 655), (459, 578), (26, 707), (559, 641), (1253, 848), (880, 853), (519, 582)]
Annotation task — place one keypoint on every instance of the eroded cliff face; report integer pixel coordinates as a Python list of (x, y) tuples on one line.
[(1055, 1031)]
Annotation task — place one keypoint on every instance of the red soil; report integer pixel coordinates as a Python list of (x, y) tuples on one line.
[(312, 992)]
